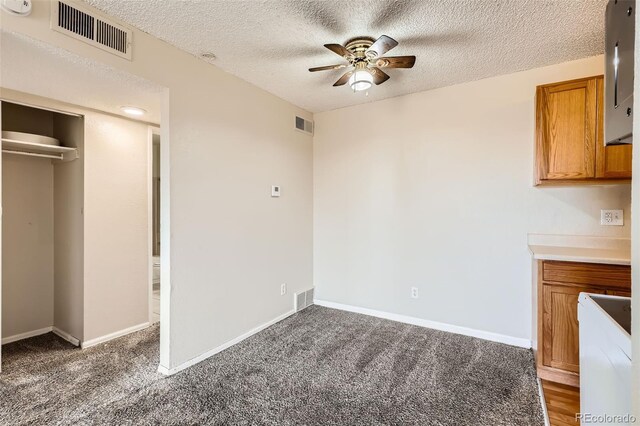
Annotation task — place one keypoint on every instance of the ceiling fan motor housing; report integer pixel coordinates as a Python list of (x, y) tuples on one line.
[(359, 46)]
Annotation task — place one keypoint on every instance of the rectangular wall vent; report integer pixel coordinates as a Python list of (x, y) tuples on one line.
[(80, 24), (304, 299), (304, 125)]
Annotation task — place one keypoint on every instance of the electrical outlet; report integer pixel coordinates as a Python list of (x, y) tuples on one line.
[(414, 292), (611, 217), (283, 289)]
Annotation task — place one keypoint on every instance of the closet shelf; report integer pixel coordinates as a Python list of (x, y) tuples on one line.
[(61, 153)]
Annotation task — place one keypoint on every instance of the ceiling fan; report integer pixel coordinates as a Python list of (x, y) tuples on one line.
[(365, 56)]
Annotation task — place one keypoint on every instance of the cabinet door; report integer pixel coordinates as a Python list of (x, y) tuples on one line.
[(566, 130), (613, 161), (560, 326)]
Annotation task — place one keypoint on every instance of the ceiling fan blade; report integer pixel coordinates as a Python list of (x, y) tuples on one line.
[(343, 80), (328, 67), (379, 76), (396, 62), (381, 46), (340, 50)]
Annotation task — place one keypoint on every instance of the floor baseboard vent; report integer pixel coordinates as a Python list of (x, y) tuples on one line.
[(304, 299)]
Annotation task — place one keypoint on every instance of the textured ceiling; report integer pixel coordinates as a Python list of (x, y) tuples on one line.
[(272, 43), (70, 78)]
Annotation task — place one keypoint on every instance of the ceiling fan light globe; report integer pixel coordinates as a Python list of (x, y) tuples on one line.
[(360, 80)]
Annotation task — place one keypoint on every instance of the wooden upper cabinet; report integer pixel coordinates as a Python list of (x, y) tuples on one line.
[(613, 161), (570, 135), (566, 115)]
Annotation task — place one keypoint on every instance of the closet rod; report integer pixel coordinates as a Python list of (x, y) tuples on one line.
[(32, 154)]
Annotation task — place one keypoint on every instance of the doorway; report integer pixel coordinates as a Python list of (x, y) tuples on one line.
[(154, 198), (88, 280)]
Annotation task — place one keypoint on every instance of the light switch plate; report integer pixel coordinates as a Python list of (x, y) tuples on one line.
[(611, 217), (275, 191)]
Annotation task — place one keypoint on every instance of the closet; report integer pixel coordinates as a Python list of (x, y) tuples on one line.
[(42, 222)]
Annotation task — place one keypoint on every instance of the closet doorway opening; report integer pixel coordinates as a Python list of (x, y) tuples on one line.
[(154, 198), (42, 223), (76, 229)]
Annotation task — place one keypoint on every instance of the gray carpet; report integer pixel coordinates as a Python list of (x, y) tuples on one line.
[(321, 366)]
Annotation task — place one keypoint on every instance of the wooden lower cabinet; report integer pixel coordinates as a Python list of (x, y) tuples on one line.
[(559, 285), (560, 326)]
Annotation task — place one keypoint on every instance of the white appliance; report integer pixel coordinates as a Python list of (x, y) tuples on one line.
[(605, 359)]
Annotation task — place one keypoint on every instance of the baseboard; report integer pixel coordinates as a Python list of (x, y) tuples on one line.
[(485, 335), (66, 336), (92, 342), (169, 371), (26, 335), (543, 403)]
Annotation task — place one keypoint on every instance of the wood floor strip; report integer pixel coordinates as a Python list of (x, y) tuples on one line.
[(563, 403)]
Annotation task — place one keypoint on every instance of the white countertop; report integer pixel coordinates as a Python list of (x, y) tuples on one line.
[(573, 248)]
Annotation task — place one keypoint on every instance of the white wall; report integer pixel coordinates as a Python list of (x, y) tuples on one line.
[(28, 234), (68, 229), (116, 225), (27, 241), (232, 245), (227, 246), (435, 190)]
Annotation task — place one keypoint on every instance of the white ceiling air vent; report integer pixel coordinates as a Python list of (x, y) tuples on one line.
[(304, 125), (79, 23)]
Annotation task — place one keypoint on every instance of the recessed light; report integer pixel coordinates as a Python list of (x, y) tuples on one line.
[(131, 110), (208, 55)]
